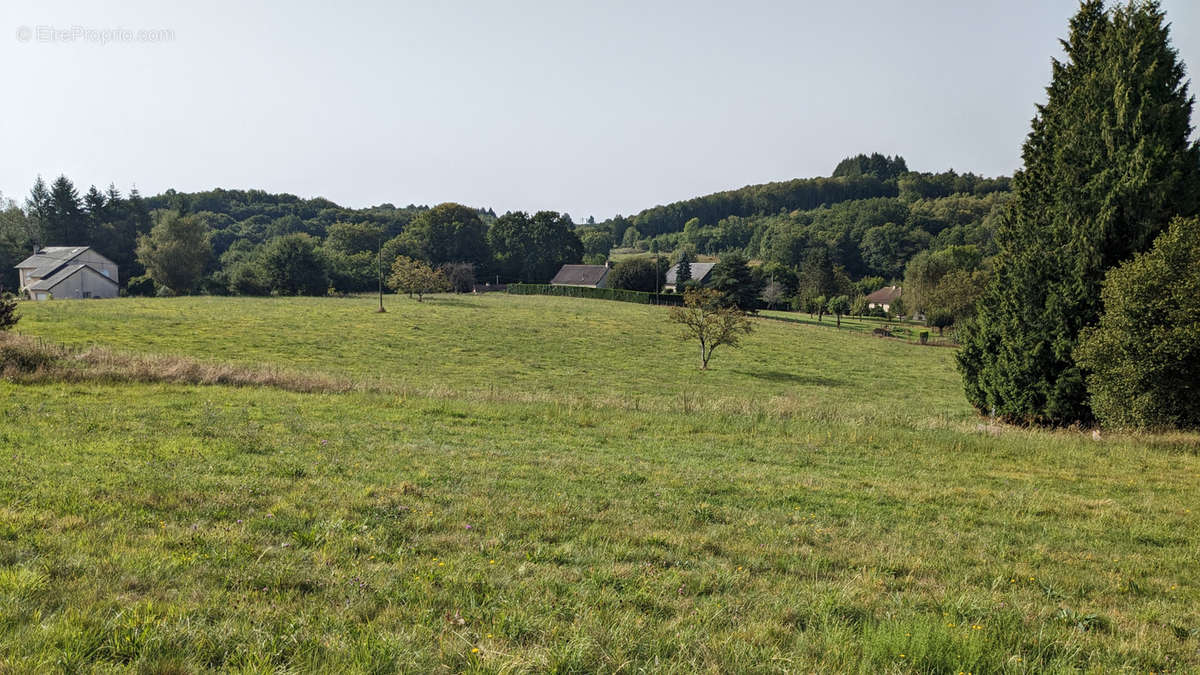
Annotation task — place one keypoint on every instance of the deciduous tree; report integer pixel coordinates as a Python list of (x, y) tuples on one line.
[(839, 306), (710, 322), (176, 250), (416, 277), (1144, 355)]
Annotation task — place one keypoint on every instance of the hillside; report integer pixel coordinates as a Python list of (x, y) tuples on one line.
[(872, 216), (822, 499)]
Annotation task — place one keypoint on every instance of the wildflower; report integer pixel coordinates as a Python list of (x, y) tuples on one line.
[(475, 650), (441, 564), (491, 562), (901, 656), (468, 526), (489, 635)]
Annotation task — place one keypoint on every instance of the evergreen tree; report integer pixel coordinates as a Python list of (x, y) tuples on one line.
[(1107, 163), (732, 277), (66, 224), (37, 206), (95, 214), (684, 272)]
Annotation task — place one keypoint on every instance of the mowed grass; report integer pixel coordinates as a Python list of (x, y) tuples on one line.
[(843, 515)]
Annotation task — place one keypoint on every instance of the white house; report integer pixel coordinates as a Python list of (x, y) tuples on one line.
[(884, 298), (67, 272)]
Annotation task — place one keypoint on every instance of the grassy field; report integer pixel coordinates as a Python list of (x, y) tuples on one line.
[(539, 483)]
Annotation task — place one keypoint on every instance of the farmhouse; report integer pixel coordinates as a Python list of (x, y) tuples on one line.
[(67, 272), (592, 276), (701, 273), (884, 298)]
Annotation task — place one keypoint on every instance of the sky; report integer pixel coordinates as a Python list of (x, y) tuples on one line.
[(593, 108)]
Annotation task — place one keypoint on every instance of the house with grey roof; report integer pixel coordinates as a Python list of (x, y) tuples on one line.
[(67, 272), (592, 276), (701, 274)]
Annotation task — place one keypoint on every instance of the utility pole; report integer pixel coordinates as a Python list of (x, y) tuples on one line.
[(379, 266)]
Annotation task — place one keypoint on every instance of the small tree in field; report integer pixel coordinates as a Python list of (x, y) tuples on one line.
[(839, 306), (8, 310), (706, 321), (416, 277), (772, 294)]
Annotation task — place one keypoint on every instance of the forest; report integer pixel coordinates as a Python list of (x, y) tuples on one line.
[(864, 223)]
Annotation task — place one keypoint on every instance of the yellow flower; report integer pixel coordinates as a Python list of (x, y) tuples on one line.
[(475, 650), (491, 562)]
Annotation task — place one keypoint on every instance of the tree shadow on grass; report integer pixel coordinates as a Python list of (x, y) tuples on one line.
[(453, 301), (792, 378)]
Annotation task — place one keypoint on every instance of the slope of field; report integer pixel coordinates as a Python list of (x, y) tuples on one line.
[(837, 511), (531, 348)]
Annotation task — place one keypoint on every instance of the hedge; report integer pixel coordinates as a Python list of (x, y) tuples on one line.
[(617, 294)]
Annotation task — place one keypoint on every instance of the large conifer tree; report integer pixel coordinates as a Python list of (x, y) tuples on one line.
[(66, 223), (1108, 163)]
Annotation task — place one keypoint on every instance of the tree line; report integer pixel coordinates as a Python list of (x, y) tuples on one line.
[(253, 242)]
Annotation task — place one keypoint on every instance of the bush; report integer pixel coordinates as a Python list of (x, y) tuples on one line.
[(1144, 356), (24, 356), (8, 311), (638, 274), (142, 286)]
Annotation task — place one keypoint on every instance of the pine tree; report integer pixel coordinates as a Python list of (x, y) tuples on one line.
[(66, 224), (1108, 163), (94, 205), (683, 273), (733, 278), (37, 206)]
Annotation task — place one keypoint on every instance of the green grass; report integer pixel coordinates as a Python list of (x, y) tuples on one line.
[(531, 348), (837, 509)]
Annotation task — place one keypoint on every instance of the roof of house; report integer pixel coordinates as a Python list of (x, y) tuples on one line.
[(62, 275), (580, 275), (885, 296), (51, 256), (700, 272)]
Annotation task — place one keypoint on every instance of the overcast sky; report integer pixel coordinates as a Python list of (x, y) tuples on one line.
[(593, 108)]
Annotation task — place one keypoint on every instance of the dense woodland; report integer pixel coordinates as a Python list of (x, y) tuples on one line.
[(814, 237)]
